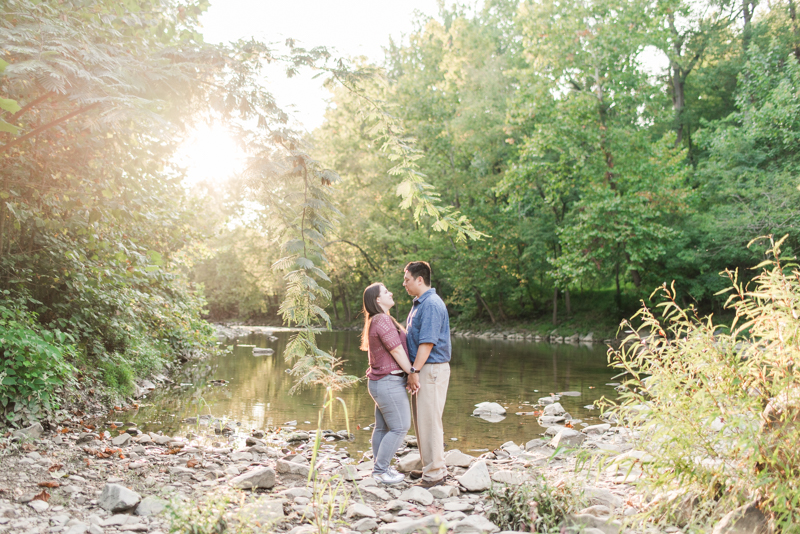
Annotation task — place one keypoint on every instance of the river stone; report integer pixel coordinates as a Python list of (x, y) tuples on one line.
[(377, 492), (601, 496), (144, 438), (535, 444), (747, 519), (488, 408), (297, 492), (349, 472), (508, 477), (116, 498), (77, 528), (410, 462), (458, 506), (587, 521), (150, 506), (554, 409), (39, 505), (567, 437), (291, 468), (159, 439), (298, 436), (551, 419), (456, 458), (264, 510), (121, 440), (597, 429), (32, 432), (476, 524), (417, 494), (365, 525), (241, 456), (358, 510), (260, 477), (476, 478), (598, 510), (427, 523), (444, 492), (544, 401), (569, 393)]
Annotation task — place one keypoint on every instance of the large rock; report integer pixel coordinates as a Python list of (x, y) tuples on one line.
[(488, 408), (443, 492), (150, 506), (380, 493), (358, 510), (456, 458), (554, 409), (475, 524), (476, 478), (747, 519), (38, 505), (241, 456), (417, 494), (121, 440), (291, 468), (32, 432), (260, 477), (597, 429), (429, 523), (116, 498), (410, 462), (601, 496), (567, 437), (513, 478), (365, 525)]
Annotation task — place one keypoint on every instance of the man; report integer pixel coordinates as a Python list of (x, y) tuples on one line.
[(428, 327)]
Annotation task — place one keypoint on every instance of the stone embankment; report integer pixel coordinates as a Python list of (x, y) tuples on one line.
[(75, 480)]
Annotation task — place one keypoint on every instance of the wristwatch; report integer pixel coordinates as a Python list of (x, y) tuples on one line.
[(414, 370)]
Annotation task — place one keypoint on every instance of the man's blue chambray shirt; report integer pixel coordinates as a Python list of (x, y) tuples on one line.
[(428, 322)]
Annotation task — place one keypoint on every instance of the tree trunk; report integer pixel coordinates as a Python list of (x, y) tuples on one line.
[(500, 311), (555, 306), (636, 277), (343, 295), (748, 6), (333, 303), (618, 296), (2, 226), (795, 29), (678, 98), (567, 303), (485, 306)]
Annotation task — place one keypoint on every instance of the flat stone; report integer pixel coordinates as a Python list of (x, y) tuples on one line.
[(260, 477), (59, 519), (506, 476), (567, 437), (77, 528), (456, 458), (444, 492), (476, 478), (291, 468), (410, 462), (427, 523), (298, 436), (34, 431), (116, 498), (117, 520), (747, 519), (588, 521), (535, 444), (39, 505), (475, 524), (417, 494), (377, 492), (150, 506), (488, 408), (242, 456), (142, 439), (358, 510), (121, 440), (365, 525), (458, 506), (597, 429)]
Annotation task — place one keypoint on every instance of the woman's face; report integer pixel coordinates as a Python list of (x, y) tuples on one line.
[(385, 299)]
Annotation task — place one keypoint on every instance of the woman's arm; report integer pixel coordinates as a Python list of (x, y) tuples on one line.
[(400, 356)]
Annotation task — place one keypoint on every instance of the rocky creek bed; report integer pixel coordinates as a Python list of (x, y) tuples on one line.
[(75, 480)]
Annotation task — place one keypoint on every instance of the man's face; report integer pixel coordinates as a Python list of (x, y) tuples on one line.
[(410, 284)]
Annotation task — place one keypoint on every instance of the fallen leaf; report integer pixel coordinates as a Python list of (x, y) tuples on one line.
[(54, 467), (49, 484), (191, 463), (43, 496)]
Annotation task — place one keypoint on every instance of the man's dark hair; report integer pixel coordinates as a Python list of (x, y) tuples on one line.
[(420, 268)]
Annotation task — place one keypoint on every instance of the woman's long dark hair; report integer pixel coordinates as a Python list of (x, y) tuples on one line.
[(370, 308)]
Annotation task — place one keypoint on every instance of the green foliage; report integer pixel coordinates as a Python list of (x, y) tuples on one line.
[(34, 363), (208, 517), (717, 408), (532, 507)]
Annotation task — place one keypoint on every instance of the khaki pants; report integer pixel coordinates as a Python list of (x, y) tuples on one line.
[(427, 407)]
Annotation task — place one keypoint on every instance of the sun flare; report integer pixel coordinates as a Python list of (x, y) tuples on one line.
[(211, 155)]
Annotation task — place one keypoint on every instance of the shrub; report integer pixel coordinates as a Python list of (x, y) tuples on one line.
[(718, 407), (532, 507), (34, 361)]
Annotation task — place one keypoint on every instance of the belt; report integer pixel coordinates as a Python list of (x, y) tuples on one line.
[(399, 373)]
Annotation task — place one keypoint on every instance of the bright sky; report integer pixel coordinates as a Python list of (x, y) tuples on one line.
[(346, 27)]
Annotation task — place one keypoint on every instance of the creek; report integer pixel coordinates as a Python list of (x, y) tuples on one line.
[(255, 395)]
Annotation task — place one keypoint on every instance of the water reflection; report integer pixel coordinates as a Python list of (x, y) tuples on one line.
[(513, 374)]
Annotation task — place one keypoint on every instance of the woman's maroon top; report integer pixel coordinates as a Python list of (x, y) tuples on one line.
[(384, 336)]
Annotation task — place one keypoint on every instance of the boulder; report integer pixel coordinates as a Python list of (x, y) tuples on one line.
[(417, 494), (260, 477), (115, 498), (747, 519), (554, 409), (150, 506), (456, 458), (567, 437), (476, 478), (292, 469), (475, 524), (410, 462), (358, 510)]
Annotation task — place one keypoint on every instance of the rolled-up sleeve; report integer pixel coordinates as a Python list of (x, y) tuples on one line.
[(387, 332)]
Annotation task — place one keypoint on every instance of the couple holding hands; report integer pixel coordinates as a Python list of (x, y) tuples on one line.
[(413, 359)]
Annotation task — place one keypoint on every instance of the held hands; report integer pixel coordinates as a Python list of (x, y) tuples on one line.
[(412, 383)]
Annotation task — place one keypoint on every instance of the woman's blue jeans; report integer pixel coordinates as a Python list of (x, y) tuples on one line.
[(392, 418)]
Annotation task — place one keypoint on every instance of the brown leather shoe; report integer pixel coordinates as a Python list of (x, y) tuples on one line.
[(415, 474), (430, 483)]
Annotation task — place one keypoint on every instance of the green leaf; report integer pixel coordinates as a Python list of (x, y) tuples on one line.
[(8, 127)]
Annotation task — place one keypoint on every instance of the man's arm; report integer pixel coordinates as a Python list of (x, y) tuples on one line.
[(423, 351)]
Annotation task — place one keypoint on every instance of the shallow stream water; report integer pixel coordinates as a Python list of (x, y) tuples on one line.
[(256, 396)]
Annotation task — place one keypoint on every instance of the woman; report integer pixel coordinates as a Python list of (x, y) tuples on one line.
[(385, 341)]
